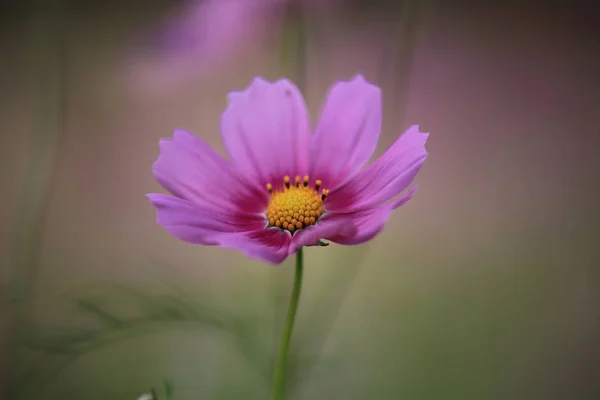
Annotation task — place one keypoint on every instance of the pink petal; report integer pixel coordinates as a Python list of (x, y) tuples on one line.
[(200, 224), (347, 132), (367, 225), (384, 179), (270, 244), (208, 225), (266, 133), (190, 169), (328, 226), (402, 199)]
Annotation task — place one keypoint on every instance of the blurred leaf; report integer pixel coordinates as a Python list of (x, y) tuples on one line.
[(97, 311), (168, 389), (125, 313), (307, 347), (297, 373), (60, 341)]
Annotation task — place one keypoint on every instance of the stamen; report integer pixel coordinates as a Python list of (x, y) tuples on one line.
[(295, 207)]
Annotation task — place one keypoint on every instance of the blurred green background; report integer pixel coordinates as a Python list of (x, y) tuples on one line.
[(484, 286)]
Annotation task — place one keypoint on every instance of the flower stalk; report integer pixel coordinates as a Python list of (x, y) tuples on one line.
[(293, 51), (279, 378)]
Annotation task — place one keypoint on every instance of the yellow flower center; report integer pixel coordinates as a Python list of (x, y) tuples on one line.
[(294, 207)]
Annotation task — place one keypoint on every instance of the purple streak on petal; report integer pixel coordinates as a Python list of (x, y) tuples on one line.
[(270, 245), (265, 130), (385, 178), (328, 226), (347, 132), (196, 224), (209, 225), (189, 168)]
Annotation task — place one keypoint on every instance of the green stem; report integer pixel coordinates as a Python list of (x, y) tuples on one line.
[(47, 61), (292, 53), (279, 379)]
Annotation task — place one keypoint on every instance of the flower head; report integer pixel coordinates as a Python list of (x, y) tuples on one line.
[(206, 34), (283, 187)]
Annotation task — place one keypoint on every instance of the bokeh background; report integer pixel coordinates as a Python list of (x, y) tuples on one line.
[(485, 286)]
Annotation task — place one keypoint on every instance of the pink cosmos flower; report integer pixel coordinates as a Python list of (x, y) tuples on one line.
[(283, 187), (206, 34)]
